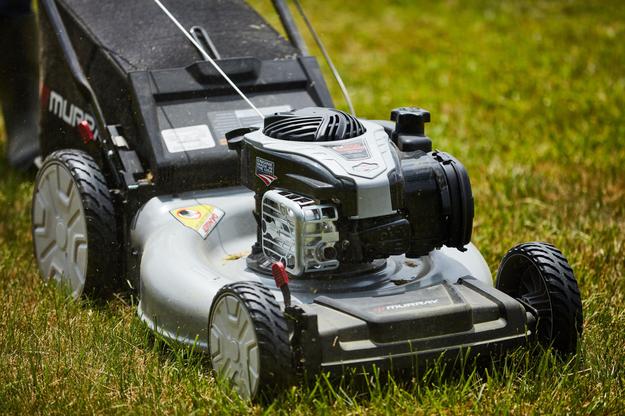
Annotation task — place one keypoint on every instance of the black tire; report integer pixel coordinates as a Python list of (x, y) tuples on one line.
[(275, 357), (97, 210), (539, 275)]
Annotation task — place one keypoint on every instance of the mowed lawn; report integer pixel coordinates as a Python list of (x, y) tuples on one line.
[(529, 95)]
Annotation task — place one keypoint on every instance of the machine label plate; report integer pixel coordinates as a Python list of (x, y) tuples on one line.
[(201, 218), (183, 139)]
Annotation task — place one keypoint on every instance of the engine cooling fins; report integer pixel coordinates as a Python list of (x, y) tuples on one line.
[(313, 124)]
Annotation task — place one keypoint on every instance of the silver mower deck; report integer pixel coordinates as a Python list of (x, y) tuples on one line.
[(441, 302)]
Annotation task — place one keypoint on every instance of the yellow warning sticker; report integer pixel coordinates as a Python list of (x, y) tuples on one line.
[(200, 218)]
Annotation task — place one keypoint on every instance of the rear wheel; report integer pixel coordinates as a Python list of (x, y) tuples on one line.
[(73, 225), (538, 275), (249, 339)]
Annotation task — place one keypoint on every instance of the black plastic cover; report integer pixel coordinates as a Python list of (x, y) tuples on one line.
[(460, 224), (439, 202), (148, 80), (139, 36), (313, 124)]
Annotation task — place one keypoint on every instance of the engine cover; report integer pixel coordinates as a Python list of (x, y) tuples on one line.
[(362, 172), (333, 190)]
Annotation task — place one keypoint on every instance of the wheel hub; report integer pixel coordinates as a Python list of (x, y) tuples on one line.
[(61, 234), (235, 353), (233, 344), (60, 229)]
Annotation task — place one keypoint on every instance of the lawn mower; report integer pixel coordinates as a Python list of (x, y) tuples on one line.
[(193, 154)]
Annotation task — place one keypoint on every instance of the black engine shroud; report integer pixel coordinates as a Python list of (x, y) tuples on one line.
[(436, 209)]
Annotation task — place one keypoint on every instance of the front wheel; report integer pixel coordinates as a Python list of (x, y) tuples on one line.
[(249, 339), (538, 275)]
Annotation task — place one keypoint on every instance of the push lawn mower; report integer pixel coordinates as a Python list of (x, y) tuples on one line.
[(280, 235)]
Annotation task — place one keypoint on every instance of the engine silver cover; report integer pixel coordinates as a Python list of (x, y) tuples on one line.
[(299, 232), (367, 160)]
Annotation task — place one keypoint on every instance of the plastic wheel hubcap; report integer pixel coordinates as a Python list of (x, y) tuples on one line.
[(233, 345), (61, 234), (60, 229)]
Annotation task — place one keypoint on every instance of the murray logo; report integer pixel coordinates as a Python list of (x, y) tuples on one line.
[(265, 170), (402, 306), (71, 114)]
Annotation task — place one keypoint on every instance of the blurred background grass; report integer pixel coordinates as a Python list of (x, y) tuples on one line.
[(529, 95)]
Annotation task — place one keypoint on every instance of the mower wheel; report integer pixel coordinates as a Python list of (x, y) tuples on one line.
[(73, 225), (249, 339), (538, 275)]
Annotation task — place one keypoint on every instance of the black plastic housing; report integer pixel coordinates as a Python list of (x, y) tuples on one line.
[(438, 201), (305, 176), (436, 209), (313, 125)]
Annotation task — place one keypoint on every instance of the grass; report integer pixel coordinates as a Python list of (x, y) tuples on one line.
[(530, 95)]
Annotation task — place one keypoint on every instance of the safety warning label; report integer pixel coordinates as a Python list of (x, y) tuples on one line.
[(184, 139), (200, 218)]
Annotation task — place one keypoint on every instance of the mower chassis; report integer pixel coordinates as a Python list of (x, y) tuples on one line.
[(411, 308)]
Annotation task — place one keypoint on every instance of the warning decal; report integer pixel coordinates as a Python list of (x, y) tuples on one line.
[(200, 218), (352, 151)]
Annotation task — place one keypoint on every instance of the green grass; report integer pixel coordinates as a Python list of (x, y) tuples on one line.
[(529, 95)]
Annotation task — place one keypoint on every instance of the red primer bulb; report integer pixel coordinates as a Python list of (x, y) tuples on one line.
[(279, 274)]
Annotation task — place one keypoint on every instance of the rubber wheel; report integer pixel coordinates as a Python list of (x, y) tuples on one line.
[(539, 275), (73, 225), (249, 339)]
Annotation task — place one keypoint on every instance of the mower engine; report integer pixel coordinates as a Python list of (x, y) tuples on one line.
[(333, 191)]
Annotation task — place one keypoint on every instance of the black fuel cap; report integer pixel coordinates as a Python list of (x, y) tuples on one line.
[(410, 120), (409, 134)]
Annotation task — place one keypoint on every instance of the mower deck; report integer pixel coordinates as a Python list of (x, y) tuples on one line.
[(410, 308)]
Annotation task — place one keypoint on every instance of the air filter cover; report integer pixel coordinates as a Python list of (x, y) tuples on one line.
[(313, 124)]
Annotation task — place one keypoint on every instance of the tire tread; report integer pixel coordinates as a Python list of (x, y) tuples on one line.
[(276, 357), (101, 279), (563, 292)]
